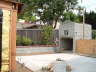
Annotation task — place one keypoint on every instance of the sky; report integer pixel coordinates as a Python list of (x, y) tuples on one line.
[(89, 5)]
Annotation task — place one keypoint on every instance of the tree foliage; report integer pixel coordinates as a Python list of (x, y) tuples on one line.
[(49, 11), (47, 33), (72, 17), (94, 34), (90, 18)]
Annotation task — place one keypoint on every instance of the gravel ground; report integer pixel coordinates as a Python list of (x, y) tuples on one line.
[(78, 63)]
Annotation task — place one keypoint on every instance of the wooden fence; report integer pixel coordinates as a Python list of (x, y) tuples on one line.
[(35, 34), (86, 47)]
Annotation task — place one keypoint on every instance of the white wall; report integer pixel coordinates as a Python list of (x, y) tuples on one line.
[(78, 30), (75, 30), (66, 26)]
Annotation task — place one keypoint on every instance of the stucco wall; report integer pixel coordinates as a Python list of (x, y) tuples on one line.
[(86, 47)]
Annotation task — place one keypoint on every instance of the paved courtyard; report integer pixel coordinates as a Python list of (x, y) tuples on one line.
[(79, 63)]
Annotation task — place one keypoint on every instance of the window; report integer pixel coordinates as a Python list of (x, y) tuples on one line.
[(66, 32), (1, 16)]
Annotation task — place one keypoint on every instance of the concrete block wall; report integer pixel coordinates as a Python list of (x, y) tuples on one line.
[(78, 31), (66, 26), (75, 30)]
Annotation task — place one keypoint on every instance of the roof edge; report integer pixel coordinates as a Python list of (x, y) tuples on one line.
[(13, 2), (17, 3)]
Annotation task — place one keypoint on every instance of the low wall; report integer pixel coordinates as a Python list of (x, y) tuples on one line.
[(34, 50), (86, 47)]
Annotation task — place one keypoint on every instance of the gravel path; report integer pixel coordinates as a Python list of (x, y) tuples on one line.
[(79, 63)]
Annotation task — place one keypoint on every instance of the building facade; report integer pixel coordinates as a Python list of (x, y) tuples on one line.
[(69, 32)]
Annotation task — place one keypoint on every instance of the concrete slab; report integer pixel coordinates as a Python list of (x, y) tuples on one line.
[(79, 63)]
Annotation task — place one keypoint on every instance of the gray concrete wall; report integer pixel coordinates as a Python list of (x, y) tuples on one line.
[(78, 30), (35, 50), (66, 26), (75, 31)]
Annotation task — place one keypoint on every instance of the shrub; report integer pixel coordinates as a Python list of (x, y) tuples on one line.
[(18, 40), (94, 34), (37, 42), (47, 33), (26, 41)]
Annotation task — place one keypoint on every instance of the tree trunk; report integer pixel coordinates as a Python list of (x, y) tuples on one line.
[(55, 23)]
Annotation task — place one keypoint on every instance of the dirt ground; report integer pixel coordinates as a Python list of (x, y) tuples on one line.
[(78, 63), (22, 68)]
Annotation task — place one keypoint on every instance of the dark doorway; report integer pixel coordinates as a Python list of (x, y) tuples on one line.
[(1, 20), (67, 44)]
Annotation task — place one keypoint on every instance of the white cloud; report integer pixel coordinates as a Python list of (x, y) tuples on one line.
[(88, 4)]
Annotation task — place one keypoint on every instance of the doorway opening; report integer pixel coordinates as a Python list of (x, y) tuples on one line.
[(67, 44)]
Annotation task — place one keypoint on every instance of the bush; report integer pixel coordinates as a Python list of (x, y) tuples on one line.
[(47, 42), (18, 40), (26, 41), (47, 33), (37, 42), (94, 34)]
